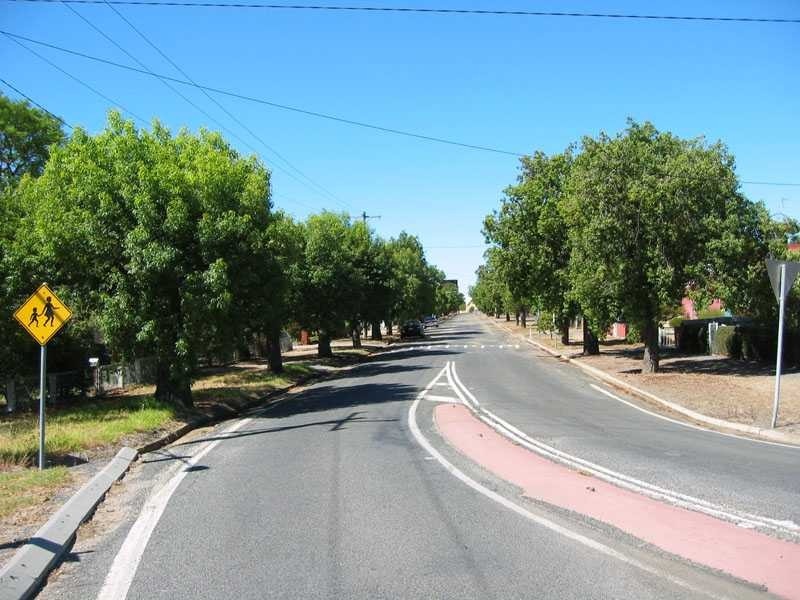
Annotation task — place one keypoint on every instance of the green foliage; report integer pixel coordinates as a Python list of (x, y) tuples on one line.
[(448, 299), (414, 281), (530, 237), (727, 342), (26, 135), (646, 212), (327, 287), (710, 313), (676, 321), (159, 241)]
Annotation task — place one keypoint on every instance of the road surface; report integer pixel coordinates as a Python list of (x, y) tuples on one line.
[(333, 493)]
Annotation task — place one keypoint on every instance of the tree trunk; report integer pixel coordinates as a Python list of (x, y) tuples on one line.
[(274, 358), (376, 330), (524, 318), (516, 318), (591, 345), (564, 327), (389, 327), (508, 317), (170, 389), (355, 334), (650, 359), (324, 345)]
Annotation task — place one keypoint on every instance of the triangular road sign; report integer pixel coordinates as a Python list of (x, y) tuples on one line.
[(774, 270)]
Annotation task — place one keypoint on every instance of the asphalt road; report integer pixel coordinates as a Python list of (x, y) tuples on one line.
[(554, 403), (329, 495)]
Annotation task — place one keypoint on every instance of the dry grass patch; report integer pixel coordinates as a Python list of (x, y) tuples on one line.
[(26, 488)]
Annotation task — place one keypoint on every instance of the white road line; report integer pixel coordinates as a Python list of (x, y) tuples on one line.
[(620, 479), (436, 398), (690, 425), (505, 502), (120, 576)]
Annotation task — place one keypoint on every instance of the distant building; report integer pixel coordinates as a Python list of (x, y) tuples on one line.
[(793, 241), (453, 282)]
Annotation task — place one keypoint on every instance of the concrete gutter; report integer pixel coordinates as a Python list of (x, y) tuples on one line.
[(26, 572), (748, 430)]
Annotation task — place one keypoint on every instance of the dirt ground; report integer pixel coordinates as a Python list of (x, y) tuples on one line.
[(716, 386)]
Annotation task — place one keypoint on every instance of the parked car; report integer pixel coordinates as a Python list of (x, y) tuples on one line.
[(430, 321), (412, 328)]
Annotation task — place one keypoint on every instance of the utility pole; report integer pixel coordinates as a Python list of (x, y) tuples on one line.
[(365, 216)]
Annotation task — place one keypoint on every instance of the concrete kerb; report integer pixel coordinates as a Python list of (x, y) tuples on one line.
[(757, 432), (28, 569), (25, 573)]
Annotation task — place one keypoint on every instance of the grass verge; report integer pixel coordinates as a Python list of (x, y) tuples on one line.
[(23, 489), (80, 427), (91, 425)]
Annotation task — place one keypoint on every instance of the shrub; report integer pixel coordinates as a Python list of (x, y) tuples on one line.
[(675, 322), (634, 335), (728, 342)]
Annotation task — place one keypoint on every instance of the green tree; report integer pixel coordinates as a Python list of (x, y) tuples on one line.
[(26, 135), (532, 240), (160, 242), (644, 210), (413, 280), (327, 284)]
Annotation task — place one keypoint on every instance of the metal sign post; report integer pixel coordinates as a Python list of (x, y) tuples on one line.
[(777, 400), (781, 274), (42, 371), (42, 315)]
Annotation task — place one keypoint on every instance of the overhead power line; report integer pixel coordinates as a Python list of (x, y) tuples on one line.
[(434, 11), (214, 100), (263, 101), (74, 78), (35, 103), (16, 38)]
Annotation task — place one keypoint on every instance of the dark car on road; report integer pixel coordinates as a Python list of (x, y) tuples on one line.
[(430, 321), (412, 328)]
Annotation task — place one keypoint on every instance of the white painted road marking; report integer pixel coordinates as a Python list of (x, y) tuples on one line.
[(620, 479), (503, 501), (435, 398), (120, 576)]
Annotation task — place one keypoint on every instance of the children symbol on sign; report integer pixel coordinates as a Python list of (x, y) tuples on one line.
[(49, 312), (34, 318)]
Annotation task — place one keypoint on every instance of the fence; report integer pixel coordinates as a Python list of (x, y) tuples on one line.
[(666, 337), (114, 377)]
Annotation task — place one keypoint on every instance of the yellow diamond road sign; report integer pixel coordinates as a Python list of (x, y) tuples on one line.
[(43, 314)]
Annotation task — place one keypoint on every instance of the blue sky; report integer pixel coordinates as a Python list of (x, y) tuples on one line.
[(516, 83)]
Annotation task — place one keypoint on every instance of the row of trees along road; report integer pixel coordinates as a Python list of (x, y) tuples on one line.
[(168, 246), (621, 229)]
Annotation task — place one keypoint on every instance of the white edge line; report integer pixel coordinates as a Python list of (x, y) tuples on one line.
[(691, 425), (620, 479), (505, 502), (123, 569)]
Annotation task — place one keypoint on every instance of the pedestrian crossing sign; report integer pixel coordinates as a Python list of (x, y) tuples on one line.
[(43, 314)]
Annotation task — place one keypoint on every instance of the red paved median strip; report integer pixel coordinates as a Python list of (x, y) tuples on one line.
[(744, 553)]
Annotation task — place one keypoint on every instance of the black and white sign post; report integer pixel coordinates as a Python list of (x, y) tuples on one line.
[(781, 274)]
